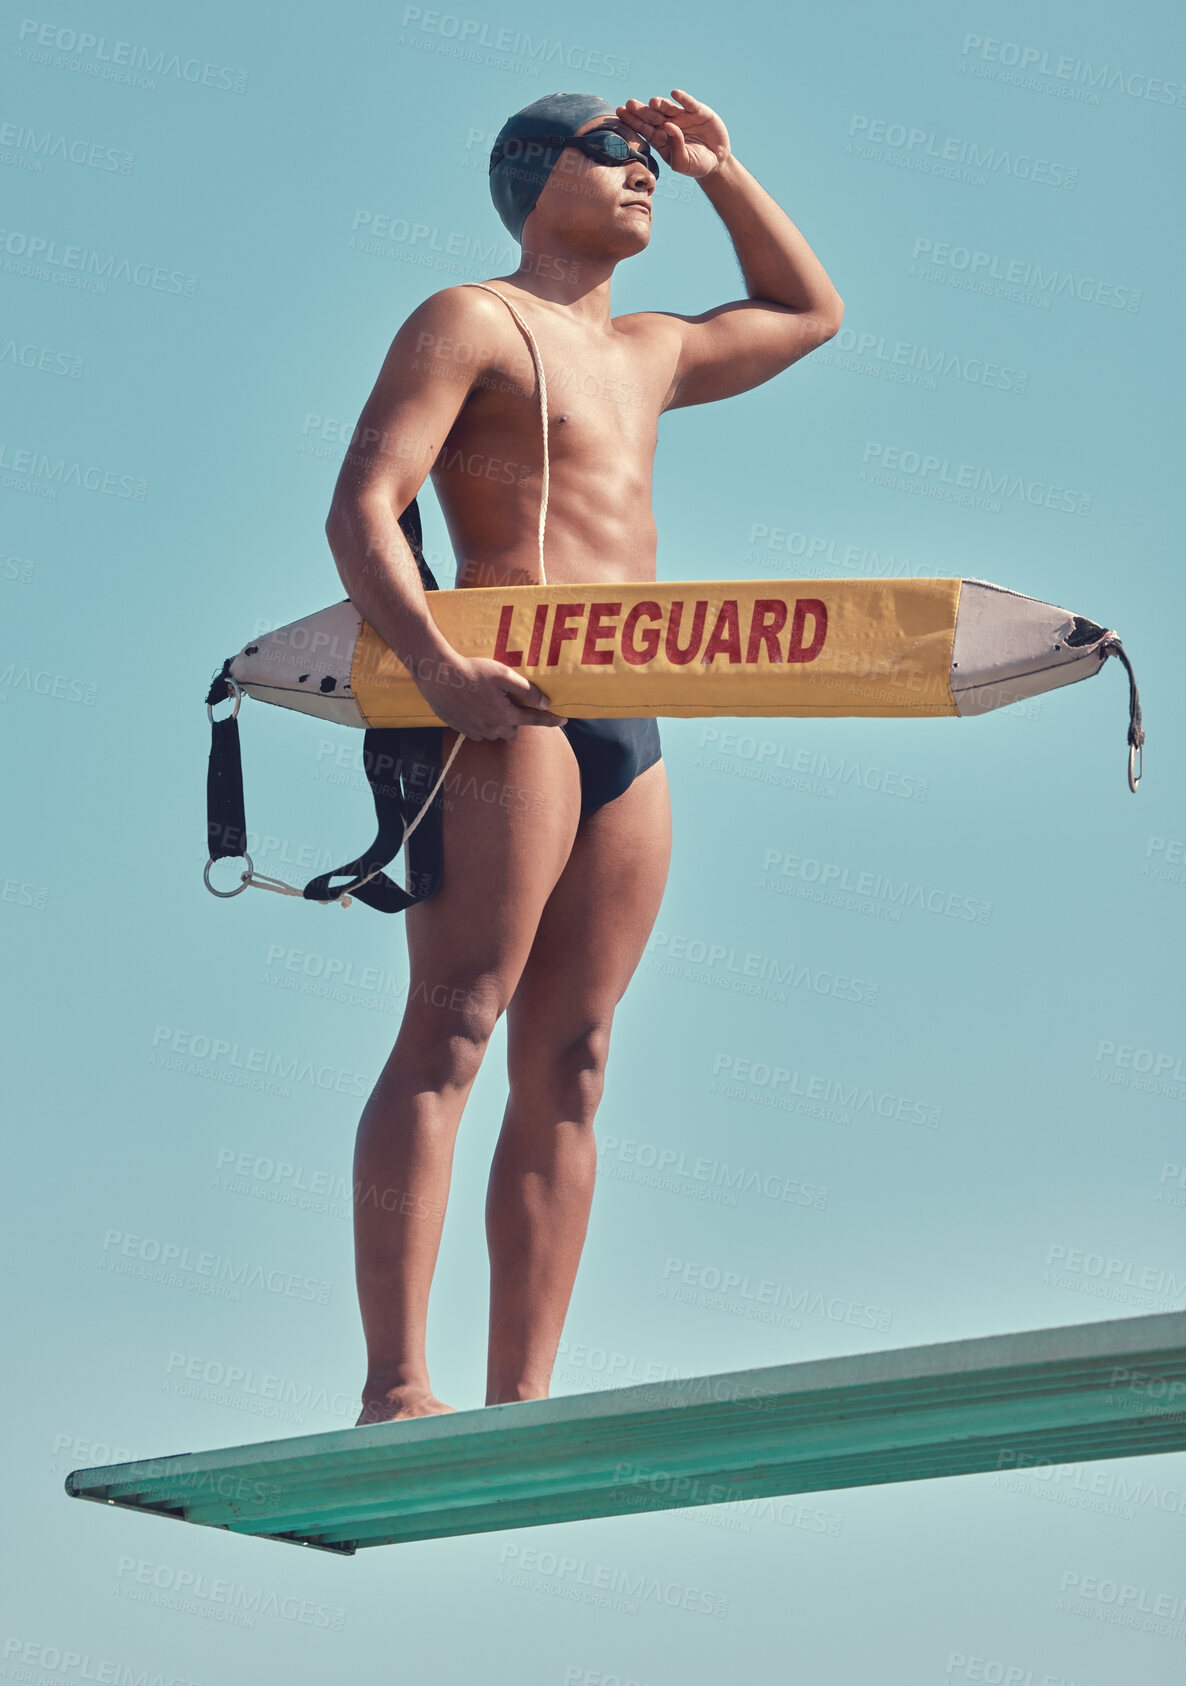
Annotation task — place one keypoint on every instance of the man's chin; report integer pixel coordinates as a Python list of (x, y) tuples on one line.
[(634, 232)]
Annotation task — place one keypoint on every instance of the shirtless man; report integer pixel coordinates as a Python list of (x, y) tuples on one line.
[(546, 904)]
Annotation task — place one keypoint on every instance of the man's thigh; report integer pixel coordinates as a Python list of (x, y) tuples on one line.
[(511, 812), (596, 922)]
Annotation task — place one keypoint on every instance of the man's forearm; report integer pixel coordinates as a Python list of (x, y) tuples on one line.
[(379, 572), (776, 261)]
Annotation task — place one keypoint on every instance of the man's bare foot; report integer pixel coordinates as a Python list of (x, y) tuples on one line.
[(399, 1402)]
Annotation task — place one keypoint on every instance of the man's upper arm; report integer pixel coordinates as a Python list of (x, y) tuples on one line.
[(738, 346), (426, 377)]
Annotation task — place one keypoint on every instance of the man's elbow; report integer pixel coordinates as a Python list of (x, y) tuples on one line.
[(830, 320), (335, 523), (346, 515)]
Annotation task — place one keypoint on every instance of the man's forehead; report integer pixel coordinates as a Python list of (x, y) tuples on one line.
[(614, 123)]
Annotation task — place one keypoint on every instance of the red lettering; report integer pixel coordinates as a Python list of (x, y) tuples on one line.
[(768, 619), (644, 650), (537, 634), (561, 631), (804, 606), (512, 658), (725, 638), (674, 654), (591, 656)]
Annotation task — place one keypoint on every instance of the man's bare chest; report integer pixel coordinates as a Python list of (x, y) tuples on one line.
[(601, 398)]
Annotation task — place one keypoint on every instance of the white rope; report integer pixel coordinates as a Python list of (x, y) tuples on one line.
[(537, 360)]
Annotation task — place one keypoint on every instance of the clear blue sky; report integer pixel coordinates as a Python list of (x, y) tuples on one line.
[(990, 187)]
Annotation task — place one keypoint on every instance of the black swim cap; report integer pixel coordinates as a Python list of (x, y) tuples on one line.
[(519, 166)]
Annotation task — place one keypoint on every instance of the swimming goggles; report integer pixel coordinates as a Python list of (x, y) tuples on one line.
[(604, 146)]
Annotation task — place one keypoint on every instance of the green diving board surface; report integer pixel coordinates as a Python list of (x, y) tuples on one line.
[(1115, 1389)]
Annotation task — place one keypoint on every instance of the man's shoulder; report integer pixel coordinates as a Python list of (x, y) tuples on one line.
[(651, 325), (465, 302)]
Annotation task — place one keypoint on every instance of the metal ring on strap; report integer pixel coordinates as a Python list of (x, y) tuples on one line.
[(224, 895), (235, 691)]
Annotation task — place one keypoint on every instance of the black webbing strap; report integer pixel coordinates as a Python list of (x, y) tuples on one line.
[(226, 826), (402, 765)]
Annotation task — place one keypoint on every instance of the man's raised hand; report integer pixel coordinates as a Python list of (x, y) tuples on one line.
[(688, 136)]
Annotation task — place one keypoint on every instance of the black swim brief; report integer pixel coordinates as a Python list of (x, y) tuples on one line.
[(610, 755)]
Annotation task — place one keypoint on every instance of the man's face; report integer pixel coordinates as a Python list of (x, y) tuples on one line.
[(598, 209)]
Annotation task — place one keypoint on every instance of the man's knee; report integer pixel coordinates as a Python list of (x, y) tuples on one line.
[(568, 1073), (448, 1025)]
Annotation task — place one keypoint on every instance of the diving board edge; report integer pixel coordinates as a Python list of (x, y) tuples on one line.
[(1078, 1392)]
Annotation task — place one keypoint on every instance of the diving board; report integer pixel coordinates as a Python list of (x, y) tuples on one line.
[(1114, 1389)]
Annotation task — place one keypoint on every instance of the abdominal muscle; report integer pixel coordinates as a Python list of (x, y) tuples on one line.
[(591, 535)]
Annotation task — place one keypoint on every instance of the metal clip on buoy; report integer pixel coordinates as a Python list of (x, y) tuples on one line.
[(1111, 646)]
